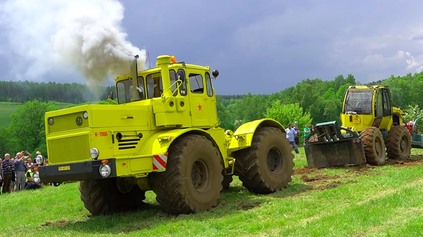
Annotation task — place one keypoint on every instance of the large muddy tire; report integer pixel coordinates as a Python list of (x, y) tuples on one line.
[(266, 166), (398, 143), (193, 178), (374, 146), (103, 197)]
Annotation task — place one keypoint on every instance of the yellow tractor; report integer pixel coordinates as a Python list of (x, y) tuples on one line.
[(162, 135), (372, 129)]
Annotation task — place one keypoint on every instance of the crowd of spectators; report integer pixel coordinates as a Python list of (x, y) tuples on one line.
[(17, 173)]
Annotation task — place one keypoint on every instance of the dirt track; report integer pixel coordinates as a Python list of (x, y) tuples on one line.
[(315, 178)]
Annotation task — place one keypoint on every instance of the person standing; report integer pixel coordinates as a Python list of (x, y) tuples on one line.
[(39, 160), (20, 170), (297, 135), (290, 135), (7, 169), (307, 132)]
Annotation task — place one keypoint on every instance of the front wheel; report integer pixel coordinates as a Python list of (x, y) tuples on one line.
[(266, 166), (193, 178), (103, 196)]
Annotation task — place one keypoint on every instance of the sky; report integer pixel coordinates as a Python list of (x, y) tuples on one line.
[(259, 47)]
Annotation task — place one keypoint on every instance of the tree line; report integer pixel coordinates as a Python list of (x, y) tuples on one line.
[(313, 101), (310, 101), (22, 91)]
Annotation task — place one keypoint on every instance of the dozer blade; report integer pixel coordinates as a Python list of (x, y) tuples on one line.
[(329, 146)]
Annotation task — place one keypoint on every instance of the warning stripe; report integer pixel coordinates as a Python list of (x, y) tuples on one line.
[(159, 161)]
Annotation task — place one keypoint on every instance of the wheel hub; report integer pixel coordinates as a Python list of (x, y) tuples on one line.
[(199, 175), (274, 159)]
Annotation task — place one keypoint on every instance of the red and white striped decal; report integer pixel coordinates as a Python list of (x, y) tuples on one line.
[(159, 161)]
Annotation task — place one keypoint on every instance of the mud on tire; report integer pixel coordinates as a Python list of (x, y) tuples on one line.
[(374, 146), (266, 166), (193, 178), (398, 143), (102, 197)]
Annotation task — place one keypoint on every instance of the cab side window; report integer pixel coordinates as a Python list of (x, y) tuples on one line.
[(196, 83), (154, 85), (173, 78), (183, 86), (140, 88), (123, 91), (209, 86), (386, 103)]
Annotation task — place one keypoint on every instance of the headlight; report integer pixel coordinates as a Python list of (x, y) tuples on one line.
[(94, 153), (85, 115), (105, 171), (50, 121)]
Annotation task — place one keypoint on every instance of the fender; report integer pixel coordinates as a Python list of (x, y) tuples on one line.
[(243, 136), (160, 142)]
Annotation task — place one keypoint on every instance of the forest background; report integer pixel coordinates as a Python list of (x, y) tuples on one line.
[(23, 104)]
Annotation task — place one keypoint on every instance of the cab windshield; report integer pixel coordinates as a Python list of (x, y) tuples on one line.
[(127, 93), (359, 102), (151, 87)]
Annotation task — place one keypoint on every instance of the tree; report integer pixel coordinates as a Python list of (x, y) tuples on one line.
[(8, 143), (289, 113), (27, 126)]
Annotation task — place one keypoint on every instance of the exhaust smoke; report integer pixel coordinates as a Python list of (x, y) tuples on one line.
[(52, 38)]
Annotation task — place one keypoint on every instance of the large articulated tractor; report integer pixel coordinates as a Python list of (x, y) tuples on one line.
[(162, 135), (371, 129)]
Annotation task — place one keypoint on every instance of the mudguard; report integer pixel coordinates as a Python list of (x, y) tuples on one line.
[(160, 142), (243, 136)]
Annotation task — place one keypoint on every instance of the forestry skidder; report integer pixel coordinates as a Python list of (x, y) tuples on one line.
[(163, 135), (369, 124)]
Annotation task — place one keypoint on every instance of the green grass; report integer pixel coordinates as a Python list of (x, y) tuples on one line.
[(366, 201), (6, 109)]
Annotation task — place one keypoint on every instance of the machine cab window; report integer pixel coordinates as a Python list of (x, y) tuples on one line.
[(359, 102), (209, 85), (182, 78), (196, 83), (127, 93), (154, 85)]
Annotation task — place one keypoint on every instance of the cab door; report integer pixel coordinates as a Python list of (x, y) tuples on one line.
[(202, 99), (384, 108)]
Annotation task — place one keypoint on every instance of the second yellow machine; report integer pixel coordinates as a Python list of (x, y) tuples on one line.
[(371, 131)]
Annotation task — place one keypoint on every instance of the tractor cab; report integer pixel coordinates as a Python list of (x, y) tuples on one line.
[(180, 94), (366, 106)]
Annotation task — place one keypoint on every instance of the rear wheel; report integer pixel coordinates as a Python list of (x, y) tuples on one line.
[(102, 197), (398, 143), (193, 178), (374, 146), (267, 165)]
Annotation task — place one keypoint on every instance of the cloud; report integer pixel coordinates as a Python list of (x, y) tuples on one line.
[(259, 47), (58, 37)]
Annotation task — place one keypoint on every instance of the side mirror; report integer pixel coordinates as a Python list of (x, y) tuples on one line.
[(215, 73)]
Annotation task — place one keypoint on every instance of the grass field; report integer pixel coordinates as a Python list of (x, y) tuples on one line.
[(6, 109), (354, 201)]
